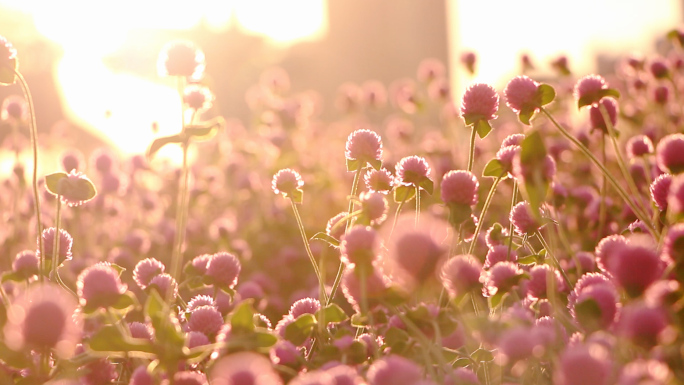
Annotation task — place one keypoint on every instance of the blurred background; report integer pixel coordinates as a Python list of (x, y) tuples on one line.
[(92, 65)]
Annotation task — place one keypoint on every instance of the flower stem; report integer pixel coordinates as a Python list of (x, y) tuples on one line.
[(471, 152), (602, 201), (417, 206), (553, 257), (55, 249), (308, 250), (34, 144), (514, 199), (485, 207), (182, 205)]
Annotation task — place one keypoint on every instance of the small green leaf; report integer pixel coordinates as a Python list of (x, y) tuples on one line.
[(471, 118), (546, 94), (206, 130), (321, 236), (528, 260), (12, 276), (298, 331), (80, 189), (483, 128), (264, 339), (461, 363), (297, 196), (332, 313), (375, 163), (493, 168), (359, 320), (110, 339), (496, 299), (353, 164), (609, 92), (395, 336), (404, 193), (526, 114), (158, 143), (242, 317), (427, 185), (126, 300), (52, 181)]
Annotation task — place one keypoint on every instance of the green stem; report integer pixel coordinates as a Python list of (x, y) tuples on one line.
[(34, 145), (55, 245), (181, 209), (485, 207), (553, 257), (308, 250), (602, 201), (514, 199), (605, 172), (471, 152), (417, 206)]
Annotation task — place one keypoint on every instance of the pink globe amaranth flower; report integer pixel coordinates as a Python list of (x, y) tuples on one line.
[(285, 353), (642, 324), (430, 69), (315, 377), (673, 243), (521, 93), (480, 102), (670, 153), (75, 189), (550, 333), (336, 226), (517, 344), (499, 253), (496, 235), (584, 364), (523, 220), (537, 286), (304, 306), (181, 58), (26, 264), (379, 180), (360, 246), (585, 281), (661, 94), (141, 376), (199, 263), (145, 270), (250, 289), (506, 156), (659, 189), (166, 285), (374, 206), (636, 265), (99, 286), (596, 116), (659, 69), (374, 94), (8, 62), (198, 97), (28, 313), (104, 161), (461, 376), (675, 197), (418, 255), (344, 375), (364, 146), (194, 339), (461, 274), (531, 171), (205, 319), (595, 307), (244, 368), (512, 140), (500, 278), (460, 187), (468, 60), (286, 181), (376, 286), (72, 159), (641, 371), (585, 261), (99, 372), (412, 170), (439, 90), (65, 243), (224, 269), (589, 90), (140, 330), (606, 248), (394, 370), (14, 108)]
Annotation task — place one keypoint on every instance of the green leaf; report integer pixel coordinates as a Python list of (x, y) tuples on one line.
[(526, 114), (471, 118), (493, 168), (482, 355), (528, 260), (17, 360), (126, 301), (12, 276), (395, 336), (321, 236), (81, 188), (483, 128), (427, 185), (353, 164), (206, 130), (461, 363), (242, 317), (166, 329), (609, 92), (158, 143), (546, 94), (52, 181), (404, 193), (264, 339), (359, 320), (375, 163), (332, 313), (532, 157), (297, 196), (496, 299), (298, 331), (458, 213), (110, 339)]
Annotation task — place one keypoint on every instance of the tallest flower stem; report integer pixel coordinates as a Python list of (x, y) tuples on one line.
[(182, 205)]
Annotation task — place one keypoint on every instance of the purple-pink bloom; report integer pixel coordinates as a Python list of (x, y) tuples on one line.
[(145, 270), (360, 246), (412, 170), (224, 269), (660, 188), (539, 276), (244, 368), (675, 198), (375, 206), (460, 187), (99, 286), (461, 274), (304, 306), (394, 370), (480, 102), (521, 93), (670, 153), (365, 146), (379, 180), (584, 364), (523, 220), (500, 278), (639, 145), (642, 324), (286, 181), (26, 264), (499, 253), (205, 319), (166, 285), (596, 116), (589, 89)]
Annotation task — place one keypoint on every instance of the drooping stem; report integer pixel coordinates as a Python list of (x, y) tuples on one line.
[(485, 207), (605, 172), (314, 264), (471, 152), (34, 144)]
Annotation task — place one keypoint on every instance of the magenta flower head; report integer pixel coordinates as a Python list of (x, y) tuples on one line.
[(181, 58), (72, 160), (480, 103), (596, 116), (140, 330), (525, 96), (641, 371), (413, 171), (499, 253), (200, 300), (14, 109), (500, 278), (394, 370), (205, 319), (304, 306), (643, 324), (636, 265), (65, 244), (141, 376), (363, 146), (675, 198), (460, 187), (659, 69), (289, 183), (660, 188), (417, 254), (469, 59), (73, 188), (595, 306), (360, 246), (145, 270), (8, 62), (590, 89), (27, 315), (99, 286), (166, 285), (244, 368), (26, 264), (673, 243), (506, 156), (516, 344), (540, 276), (670, 153), (374, 206), (461, 274), (638, 146), (103, 160), (198, 97), (584, 364), (523, 220), (606, 249), (379, 180), (336, 225), (224, 269)]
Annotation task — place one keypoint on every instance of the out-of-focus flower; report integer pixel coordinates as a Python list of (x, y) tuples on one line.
[(72, 159), (461, 274), (73, 189), (99, 286), (394, 370), (376, 284), (141, 376), (430, 69), (642, 324), (8, 62), (374, 205), (638, 146), (641, 371), (670, 153), (412, 170), (596, 116), (166, 285), (244, 368), (26, 264), (521, 93), (65, 244), (224, 269), (364, 146), (181, 58), (523, 220), (147, 269), (379, 180), (460, 187), (500, 278), (659, 68), (636, 264), (675, 197), (540, 276), (584, 364), (198, 97), (499, 253), (287, 182), (360, 246), (417, 254), (590, 89), (14, 109), (468, 60), (594, 302)]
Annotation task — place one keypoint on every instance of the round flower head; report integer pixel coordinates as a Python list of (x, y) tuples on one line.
[(103, 160), (335, 225), (166, 285), (670, 153), (468, 59), (205, 319), (141, 376), (659, 69), (285, 353), (641, 371), (521, 93), (244, 368), (74, 189), (550, 333), (418, 254), (501, 277), (596, 306), (181, 58), (506, 155), (198, 97), (199, 263), (28, 314), (394, 370), (305, 306), (145, 270), (412, 170), (374, 206), (379, 180), (430, 69), (661, 94), (8, 62), (523, 220), (596, 116), (606, 248), (72, 160), (513, 140), (99, 286), (636, 265), (539, 277), (344, 375), (14, 108), (673, 244), (188, 378), (642, 324), (364, 146), (590, 90), (374, 94), (360, 246), (496, 236), (529, 171), (675, 197), (224, 269), (660, 188), (140, 330), (195, 339), (499, 253), (461, 274), (584, 364), (315, 377), (480, 102), (639, 145), (286, 181), (517, 344), (26, 264), (460, 187), (65, 243), (376, 284)]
